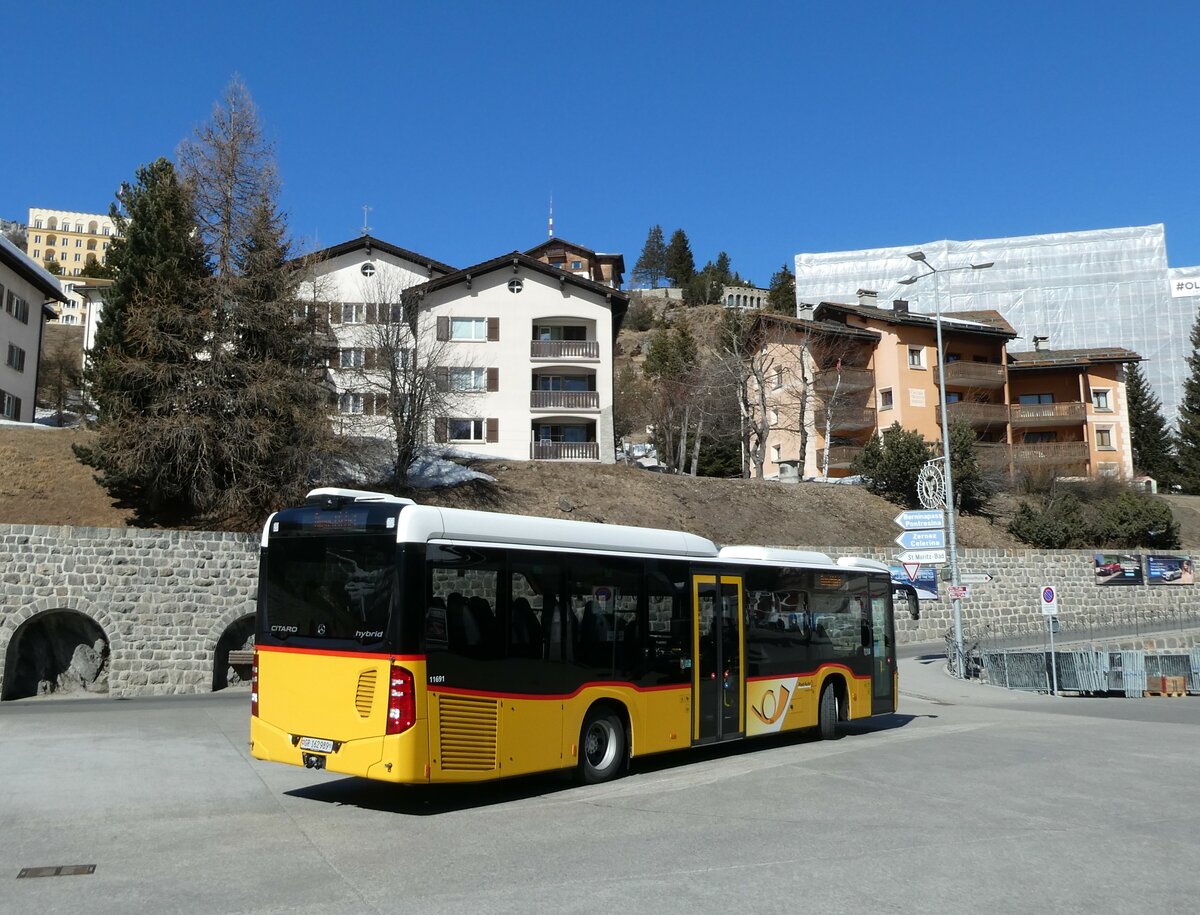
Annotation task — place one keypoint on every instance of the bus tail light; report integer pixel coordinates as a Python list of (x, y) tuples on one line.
[(402, 704), (254, 686)]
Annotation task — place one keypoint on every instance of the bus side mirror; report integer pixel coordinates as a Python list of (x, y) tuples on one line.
[(906, 596)]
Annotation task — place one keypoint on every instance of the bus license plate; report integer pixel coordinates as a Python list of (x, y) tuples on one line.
[(316, 744)]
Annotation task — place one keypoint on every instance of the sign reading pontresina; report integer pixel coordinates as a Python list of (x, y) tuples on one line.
[(921, 520)]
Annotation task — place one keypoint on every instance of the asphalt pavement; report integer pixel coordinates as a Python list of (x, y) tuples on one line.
[(970, 799)]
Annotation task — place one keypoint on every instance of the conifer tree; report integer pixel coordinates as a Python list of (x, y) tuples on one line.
[(781, 295), (681, 266), (1148, 432), (651, 266), (1188, 437)]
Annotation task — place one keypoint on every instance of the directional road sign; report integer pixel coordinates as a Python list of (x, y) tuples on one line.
[(975, 578), (925, 557), (922, 540), (921, 520)]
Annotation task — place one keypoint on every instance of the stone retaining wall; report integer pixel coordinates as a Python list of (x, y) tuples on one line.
[(164, 598)]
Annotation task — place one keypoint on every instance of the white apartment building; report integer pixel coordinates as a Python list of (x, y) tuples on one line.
[(523, 348), (26, 290)]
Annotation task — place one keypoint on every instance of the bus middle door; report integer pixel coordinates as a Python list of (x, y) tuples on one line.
[(718, 639)]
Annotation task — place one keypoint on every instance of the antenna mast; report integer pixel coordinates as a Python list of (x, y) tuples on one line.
[(366, 229)]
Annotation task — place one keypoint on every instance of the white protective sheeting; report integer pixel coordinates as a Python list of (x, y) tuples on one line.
[(1106, 287)]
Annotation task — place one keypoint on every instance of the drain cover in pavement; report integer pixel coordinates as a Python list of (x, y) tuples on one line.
[(62, 870)]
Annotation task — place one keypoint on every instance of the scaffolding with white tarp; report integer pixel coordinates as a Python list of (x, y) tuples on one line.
[(1100, 288)]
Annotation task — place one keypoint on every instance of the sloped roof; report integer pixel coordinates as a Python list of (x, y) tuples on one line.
[(821, 327), (987, 323), (28, 269), (369, 242), (516, 258), (1070, 358), (617, 259)]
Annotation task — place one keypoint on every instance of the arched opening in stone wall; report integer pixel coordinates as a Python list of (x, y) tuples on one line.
[(61, 651), (232, 659)]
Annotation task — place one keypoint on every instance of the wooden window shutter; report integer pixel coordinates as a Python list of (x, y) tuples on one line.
[(493, 329), (493, 429), (372, 311), (335, 312), (441, 429), (493, 379), (441, 379), (443, 329), (381, 405), (369, 358)]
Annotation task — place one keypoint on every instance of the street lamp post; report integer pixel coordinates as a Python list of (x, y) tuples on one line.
[(951, 534)]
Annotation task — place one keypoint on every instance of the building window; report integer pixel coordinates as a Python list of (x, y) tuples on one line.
[(1100, 400), (79, 243), (953, 397), (468, 379), (885, 399), (1028, 399), (36, 253), (10, 406), (353, 312), (558, 332), (79, 227), (37, 239), (776, 453), (37, 223), (1039, 438), (351, 359), (107, 231), (350, 403), (778, 382), (78, 256), (576, 265), (1104, 439), (916, 357), (466, 430), (91, 244), (17, 307), (468, 328), (16, 358)]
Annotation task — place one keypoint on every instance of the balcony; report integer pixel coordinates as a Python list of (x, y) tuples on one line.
[(974, 375), (826, 381), (993, 456), (1041, 415), (979, 415), (1055, 453), (845, 418), (564, 349), (841, 457), (564, 451), (564, 400)]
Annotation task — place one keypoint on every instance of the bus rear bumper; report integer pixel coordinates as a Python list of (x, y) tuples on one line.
[(399, 758)]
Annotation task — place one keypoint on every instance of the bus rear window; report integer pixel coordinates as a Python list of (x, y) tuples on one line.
[(330, 587)]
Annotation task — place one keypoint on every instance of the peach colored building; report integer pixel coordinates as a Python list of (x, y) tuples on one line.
[(852, 371)]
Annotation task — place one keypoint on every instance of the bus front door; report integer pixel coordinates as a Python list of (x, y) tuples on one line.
[(718, 678)]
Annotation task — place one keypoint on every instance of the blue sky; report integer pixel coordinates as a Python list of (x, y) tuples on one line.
[(764, 129)]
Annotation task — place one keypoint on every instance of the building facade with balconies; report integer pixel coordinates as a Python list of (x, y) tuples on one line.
[(26, 294), (71, 241), (1062, 411), (533, 345), (521, 350)]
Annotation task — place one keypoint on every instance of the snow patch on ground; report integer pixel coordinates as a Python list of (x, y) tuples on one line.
[(432, 471)]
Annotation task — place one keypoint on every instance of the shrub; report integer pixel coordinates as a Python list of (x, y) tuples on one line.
[(891, 463)]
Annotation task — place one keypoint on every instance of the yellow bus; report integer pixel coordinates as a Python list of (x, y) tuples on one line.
[(416, 644)]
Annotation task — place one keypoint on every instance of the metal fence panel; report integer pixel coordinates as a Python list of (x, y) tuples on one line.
[(1081, 671), (1194, 679), (1018, 669), (1134, 663)]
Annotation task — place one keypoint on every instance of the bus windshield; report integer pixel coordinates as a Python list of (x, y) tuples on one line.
[(330, 587)]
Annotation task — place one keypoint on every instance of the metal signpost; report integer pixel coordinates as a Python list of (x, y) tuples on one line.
[(1050, 611)]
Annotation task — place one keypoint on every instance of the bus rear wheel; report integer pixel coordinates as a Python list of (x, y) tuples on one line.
[(601, 746), (827, 715)]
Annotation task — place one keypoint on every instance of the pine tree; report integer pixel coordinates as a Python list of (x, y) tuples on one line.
[(1148, 431), (781, 296), (1188, 436), (681, 266), (652, 265), (141, 371)]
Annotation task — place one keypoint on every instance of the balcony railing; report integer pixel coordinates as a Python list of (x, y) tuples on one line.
[(564, 400), (852, 379), (565, 451), (564, 349), (845, 418), (992, 455), (840, 456), (979, 415), (1056, 453), (1031, 415), (973, 375)]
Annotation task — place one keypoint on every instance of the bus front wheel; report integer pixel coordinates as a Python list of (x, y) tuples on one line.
[(827, 716), (601, 746)]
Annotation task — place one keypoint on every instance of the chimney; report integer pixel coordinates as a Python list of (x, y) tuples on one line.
[(1037, 343), (900, 306), (804, 311), (866, 297)]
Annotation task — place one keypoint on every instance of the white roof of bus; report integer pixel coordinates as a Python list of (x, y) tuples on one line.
[(421, 523)]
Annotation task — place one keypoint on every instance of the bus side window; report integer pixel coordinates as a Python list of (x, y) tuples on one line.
[(535, 630), (465, 582), (668, 639)]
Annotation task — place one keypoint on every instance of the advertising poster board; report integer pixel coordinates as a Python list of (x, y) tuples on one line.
[(926, 581), (1118, 569), (1169, 570)]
